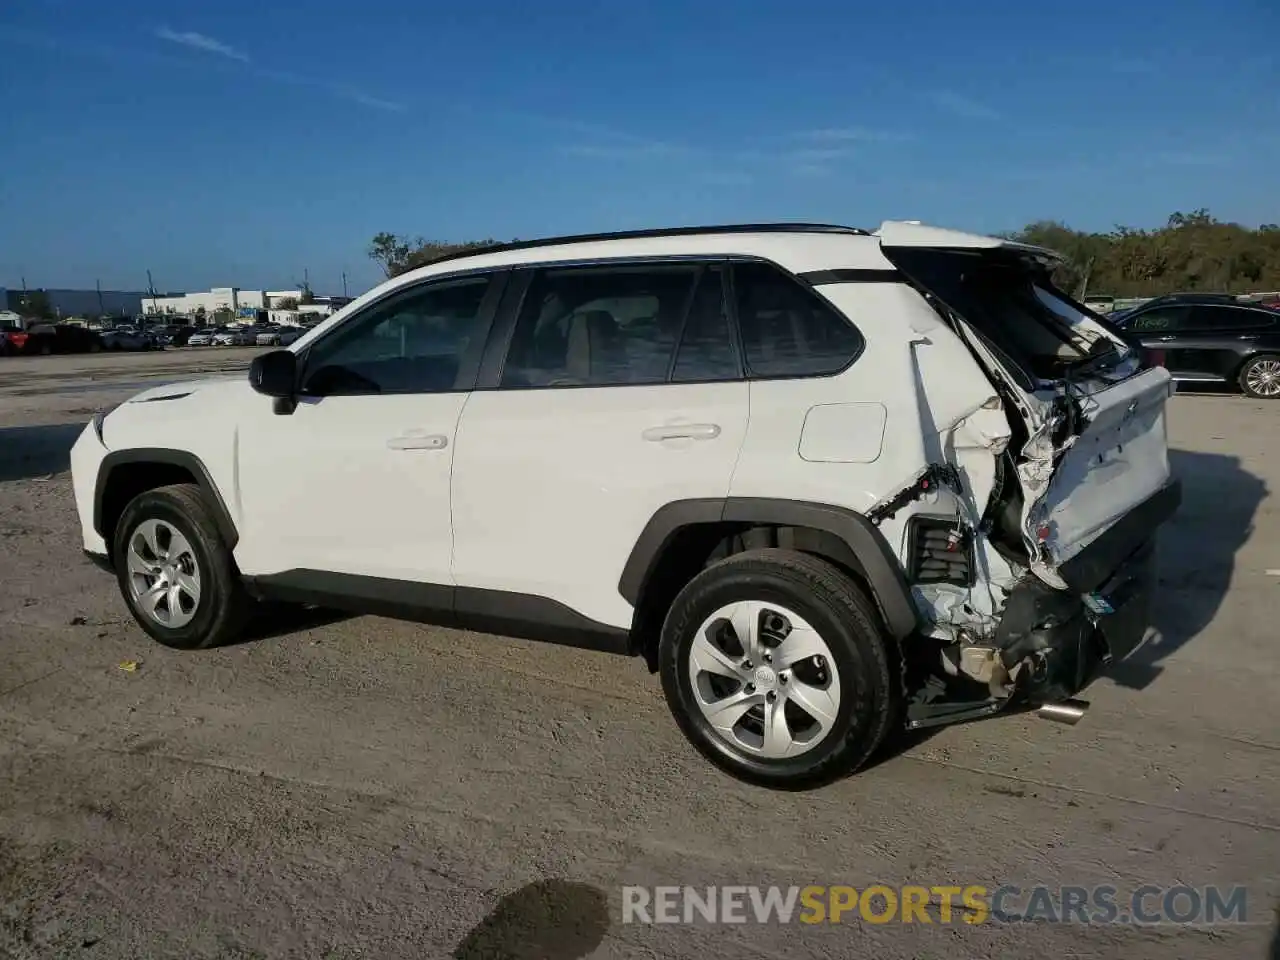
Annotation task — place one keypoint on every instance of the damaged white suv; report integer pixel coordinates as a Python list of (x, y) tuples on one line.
[(827, 482)]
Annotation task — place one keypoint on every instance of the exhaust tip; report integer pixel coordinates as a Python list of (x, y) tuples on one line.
[(1068, 711)]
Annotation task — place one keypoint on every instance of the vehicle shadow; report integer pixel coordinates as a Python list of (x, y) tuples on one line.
[(1197, 551), (273, 620), (29, 452)]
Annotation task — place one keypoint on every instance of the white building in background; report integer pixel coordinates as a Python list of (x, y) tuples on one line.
[(238, 301)]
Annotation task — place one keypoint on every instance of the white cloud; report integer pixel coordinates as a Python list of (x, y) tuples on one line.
[(965, 107), (850, 135), (640, 150), (199, 41)]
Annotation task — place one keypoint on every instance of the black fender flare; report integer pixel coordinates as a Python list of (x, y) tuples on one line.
[(174, 458), (867, 547)]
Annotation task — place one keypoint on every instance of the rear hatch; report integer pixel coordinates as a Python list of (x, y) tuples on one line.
[(1091, 451)]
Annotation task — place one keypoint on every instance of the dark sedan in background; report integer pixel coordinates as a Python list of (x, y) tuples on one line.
[(47, 338), (1202, 338)]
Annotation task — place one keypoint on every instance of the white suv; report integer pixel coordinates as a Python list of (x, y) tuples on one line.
[(827, 482)]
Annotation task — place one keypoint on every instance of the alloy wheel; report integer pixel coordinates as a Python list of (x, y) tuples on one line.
[(1263, 378), (164, 574), (764, 679)]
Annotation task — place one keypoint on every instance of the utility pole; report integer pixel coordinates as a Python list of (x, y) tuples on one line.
[(344, 284), (98, 286)]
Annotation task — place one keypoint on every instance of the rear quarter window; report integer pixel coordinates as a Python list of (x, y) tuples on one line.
[(788, 330)]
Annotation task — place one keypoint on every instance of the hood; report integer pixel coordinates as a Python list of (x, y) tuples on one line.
[(179, 389)]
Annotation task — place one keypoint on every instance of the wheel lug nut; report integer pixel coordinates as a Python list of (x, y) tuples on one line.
[(746, 664), (783, 677), (768, 658), (771, 696), (750, 688)]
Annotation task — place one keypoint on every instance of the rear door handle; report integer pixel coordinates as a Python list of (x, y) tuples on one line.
[(682, 431), (411, 441)]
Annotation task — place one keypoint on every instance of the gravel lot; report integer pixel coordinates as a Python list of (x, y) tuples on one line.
[(341, 788)]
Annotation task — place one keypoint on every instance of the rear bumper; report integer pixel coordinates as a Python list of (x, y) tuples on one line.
[(1055, 642)]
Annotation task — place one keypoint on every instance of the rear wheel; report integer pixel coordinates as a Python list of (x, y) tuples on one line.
[(776, 668), (175, 571), (1260, 377)]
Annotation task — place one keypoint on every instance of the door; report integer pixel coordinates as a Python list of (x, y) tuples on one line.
[(356, 479), (1169, 330), (1220, 335), (621, 391)]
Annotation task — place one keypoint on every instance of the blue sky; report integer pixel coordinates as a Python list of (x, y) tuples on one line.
[(241, 143)]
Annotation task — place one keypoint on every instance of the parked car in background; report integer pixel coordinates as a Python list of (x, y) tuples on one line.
[(178, 336), (12, 340), (128, 338), (236, 337), (203, 337), (47, 338), (278, 336), (1204, 340)]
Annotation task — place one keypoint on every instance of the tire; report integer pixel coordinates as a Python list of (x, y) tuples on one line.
[(846, 622), (222, 607), (1260, 377), (45, 349)]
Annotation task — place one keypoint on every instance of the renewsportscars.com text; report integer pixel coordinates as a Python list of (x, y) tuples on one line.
[(939, 904)]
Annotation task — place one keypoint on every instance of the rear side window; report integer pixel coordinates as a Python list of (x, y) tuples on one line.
[(787, 330), (707, 351), (620, 324), (1232, 318)]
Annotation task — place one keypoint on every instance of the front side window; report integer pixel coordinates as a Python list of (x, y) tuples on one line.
[(414, 343), (599, 326), (788, 331)]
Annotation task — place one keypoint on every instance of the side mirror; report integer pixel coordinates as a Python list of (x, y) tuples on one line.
[(275, 374)]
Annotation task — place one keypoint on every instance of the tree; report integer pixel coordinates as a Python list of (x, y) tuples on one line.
[(35, 303), (287, 303), (1192, 251), (391, 252), (396, 254)]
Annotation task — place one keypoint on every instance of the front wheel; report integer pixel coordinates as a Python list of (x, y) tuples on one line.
[(176, 573), (776, 667), (1260, 377)]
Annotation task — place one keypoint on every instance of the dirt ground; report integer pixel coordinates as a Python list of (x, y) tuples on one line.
[(341, 788)]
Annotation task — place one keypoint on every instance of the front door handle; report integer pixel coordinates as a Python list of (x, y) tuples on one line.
[(409, 441), (682, 431)]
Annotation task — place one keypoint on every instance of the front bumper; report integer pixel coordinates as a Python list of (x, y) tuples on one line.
[(87, 455)]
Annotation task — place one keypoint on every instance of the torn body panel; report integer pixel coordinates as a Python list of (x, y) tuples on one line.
[(1061, 480)]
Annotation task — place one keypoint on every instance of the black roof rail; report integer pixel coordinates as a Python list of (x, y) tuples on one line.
[(649, 234)]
